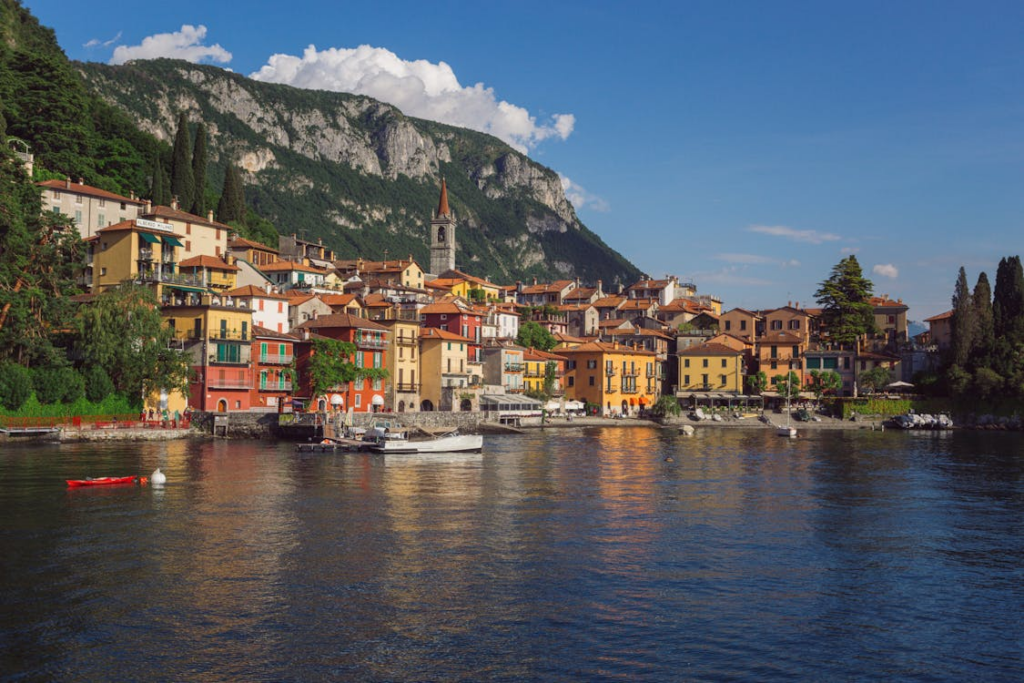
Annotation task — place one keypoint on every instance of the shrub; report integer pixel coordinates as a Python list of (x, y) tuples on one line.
[(48, 383), (97, 384), (74, 385), (15, 385)]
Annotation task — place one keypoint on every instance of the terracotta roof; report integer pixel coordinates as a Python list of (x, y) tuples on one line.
[(746, 342), (637, 304), (885, 301), (242, 242), (258, 331), (89, 190), (338, 299), (638, 332), (744, 311), (563, 338), (251, 290), (941, 316), (299, 298), (537, 354), (781, 338), (556, 286), (650, 284), (710, 349), (801, 311), (437, 333), (376, 300), (580, 293), (185, 217), (205, 261), (612, 323), (341, 320), (609, 302), (447, 307), (287, 266), (130, 225), (606, 347)]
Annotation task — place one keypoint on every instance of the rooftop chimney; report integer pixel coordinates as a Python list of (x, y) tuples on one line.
[(81, 181), (209, 215), (174, 202), (67, 182), (149, 206)]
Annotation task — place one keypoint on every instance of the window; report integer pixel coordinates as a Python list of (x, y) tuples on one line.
[(775, 365), (360, 384), (78, 217), (686, 362), (103, 271), (378, 359), (686, 380), (796, 351), (705, 362), (188, 245), (725, 379), (892, 319), (591, 378), (359, 359), (103, 202), (743, 325), (775, 352), (56, 195), (100, 220), (704, 380), (591, 365), (444, 316), (728, 325), (376, 384), (359, 400), (78, 199), (188, 228), (572, 381), (776, 324)]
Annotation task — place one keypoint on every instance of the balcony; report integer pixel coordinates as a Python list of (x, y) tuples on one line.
[(402, 340), (514, 390), (229, 384), (227, 359), (369, 342), (631, 373), (407, 387), (148, 275), (228, 335), (276, 386), (513, 367), (611, 390), (145, 255), (630, 390), (610, 372), (275, 359)]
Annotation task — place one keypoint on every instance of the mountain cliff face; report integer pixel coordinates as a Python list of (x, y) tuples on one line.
[(363, 176)]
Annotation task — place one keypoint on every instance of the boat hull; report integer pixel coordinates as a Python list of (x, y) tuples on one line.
[(100, 481), (463, 443)]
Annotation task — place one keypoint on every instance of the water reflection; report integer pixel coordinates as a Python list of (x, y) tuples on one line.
[(580, 554)]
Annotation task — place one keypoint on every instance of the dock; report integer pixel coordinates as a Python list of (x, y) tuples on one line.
[(333, 445)]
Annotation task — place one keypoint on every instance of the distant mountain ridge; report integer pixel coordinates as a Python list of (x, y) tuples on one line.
[(364, 177)]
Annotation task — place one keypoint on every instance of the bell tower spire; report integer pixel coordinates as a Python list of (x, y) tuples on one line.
[(442, 235)]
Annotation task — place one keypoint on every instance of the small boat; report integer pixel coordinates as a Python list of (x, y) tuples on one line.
[(100, 481), (449, 443), (788, 432)]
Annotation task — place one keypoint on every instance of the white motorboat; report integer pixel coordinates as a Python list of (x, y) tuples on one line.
[(399, 442)]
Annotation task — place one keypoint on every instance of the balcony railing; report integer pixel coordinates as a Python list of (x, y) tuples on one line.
[(371, 342), (145, 254), (227, 360), (402, 340), (275, 359), (228, 335), (610, 372), (610, 390), (631, 373), (276, 386), (515, 390), (513, 367), (630, 390), (215, 383), (407, 387), (172, 278)]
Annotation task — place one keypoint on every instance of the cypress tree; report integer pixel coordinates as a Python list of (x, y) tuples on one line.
[(165, 181), (232, 198), (199, 171), (963, 323), (985, 338), (1008, 306), (183, 184), (157, 188)]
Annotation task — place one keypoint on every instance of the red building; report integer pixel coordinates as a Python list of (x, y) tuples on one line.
[(272, 354), (370, 340), (462, 319)]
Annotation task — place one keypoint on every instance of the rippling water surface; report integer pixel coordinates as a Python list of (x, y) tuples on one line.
[(576, 554)]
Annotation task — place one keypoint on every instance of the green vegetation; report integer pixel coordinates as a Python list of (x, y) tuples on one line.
[(875, 379), (331, 365), (757, 383), (845, 297), (824, 382), (666, 406), (535, 336), (787, 385)]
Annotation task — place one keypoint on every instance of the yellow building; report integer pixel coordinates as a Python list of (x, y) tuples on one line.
[(210, 272), (443, 363), (200, 236), (402, 390), (469, 287), (609, 374), (710, 367), (126, 251), (536, 362)]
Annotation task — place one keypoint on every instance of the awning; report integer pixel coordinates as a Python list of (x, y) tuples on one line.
[(336, 400), (146, 237), (643, 400), (184, 288), (173, 241)]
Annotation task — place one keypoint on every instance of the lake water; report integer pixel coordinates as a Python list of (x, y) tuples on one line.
[(568, 555)]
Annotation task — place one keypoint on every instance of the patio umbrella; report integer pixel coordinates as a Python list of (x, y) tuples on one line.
[(899, 385)]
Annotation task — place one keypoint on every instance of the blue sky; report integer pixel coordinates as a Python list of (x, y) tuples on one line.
[(747, 146)]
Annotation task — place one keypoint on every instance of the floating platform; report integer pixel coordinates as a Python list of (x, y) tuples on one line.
[(334, 446)]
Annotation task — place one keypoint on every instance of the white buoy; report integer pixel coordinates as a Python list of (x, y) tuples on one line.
[(158, 477)]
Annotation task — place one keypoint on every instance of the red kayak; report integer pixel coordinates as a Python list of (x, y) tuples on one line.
[(101, 481)]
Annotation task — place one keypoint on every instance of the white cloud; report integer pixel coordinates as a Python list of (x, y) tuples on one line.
[(96, 42), (810, 236), (756, 260), (886, 270), (580, 198), (731, 275), (185, 44), (419, 88)]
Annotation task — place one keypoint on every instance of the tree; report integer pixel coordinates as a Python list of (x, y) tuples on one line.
[(665, 406), (1008, 303), (874, 379), (845, 297), (787, 385), (963, 323), (987, 382), (331, 366), (757, 383), (183, 183), (15, 385), (550, 373), (984, 325), (825, 382), (199, 159), (231, 206), (157, 187), (535, 336), (97, 384), (122, 333)]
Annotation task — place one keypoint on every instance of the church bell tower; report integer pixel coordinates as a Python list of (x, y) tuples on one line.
[(442, 236)]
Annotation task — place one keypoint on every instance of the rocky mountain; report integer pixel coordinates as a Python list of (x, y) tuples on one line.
[(362, 176)]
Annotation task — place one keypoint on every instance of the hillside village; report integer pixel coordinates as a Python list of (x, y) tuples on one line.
[(441, 339)]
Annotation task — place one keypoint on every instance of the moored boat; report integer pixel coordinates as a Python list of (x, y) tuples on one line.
[(100, 481), (450, 443)]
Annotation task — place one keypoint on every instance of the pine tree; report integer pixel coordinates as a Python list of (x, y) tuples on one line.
[(199, 171), (183, 184), (845, 296), (232, 198), (985, 332), (964, 324)]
